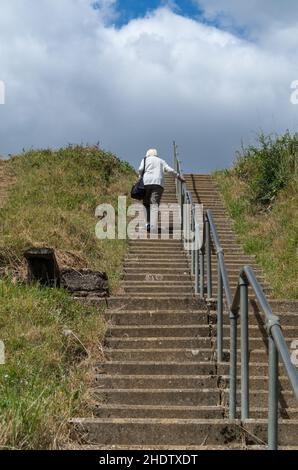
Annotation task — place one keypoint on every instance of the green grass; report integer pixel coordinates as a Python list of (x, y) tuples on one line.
[(269, 229), (51, 341), (53, 204), (45, 378)]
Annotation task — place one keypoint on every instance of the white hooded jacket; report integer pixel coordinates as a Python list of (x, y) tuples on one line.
[(155, 169)]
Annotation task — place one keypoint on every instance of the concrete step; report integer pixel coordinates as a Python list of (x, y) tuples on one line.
[(258, 342), (234, 277), (162, 262), (125, 431), (151, 303), (167, 355), (157, 287), (148, 277), (159, 368), (142, 317), (230, 447), (284, 305), (156, 252), (160, 343), (171, 396), (155, 295), (257, 382), (286, 319), (256, 333), (156, 381), (172, 244), (156, 331), (158, 411), (254, 355), (257, 369), (153, 255), (260, 398), (157, 270)]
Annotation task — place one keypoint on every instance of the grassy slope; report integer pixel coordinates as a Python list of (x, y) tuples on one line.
[(272, 236), (53, 204), (50, 339)]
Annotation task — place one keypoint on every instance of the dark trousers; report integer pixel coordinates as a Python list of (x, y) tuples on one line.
[(153, 194)]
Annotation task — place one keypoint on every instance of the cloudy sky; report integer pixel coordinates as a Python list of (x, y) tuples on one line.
[(137, 74)]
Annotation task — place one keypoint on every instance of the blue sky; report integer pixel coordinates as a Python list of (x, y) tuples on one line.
[(130, 9)]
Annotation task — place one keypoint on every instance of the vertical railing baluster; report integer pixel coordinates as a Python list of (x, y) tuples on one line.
[(244, 348), (219, 315), (273, 396), (233, 365), (193, 251), (182, 200), (202, 272), (208, 259), (196, 252)]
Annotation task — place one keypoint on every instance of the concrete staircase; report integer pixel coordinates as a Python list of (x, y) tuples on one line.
[(160, 386)]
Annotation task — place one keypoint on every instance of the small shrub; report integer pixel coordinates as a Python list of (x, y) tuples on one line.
[(268, 167)]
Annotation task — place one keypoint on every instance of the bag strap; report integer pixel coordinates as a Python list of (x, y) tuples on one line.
[(144, 169)]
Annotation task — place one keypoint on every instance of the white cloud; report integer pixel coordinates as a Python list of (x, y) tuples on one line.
[(71, 76), (255, 14)]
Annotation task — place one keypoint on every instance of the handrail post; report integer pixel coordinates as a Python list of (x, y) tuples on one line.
[(273, 395), (176, 168), (219, 327), (202, 273), (190, 226), (244, 348), (233, 365), (208, 253), (182, 194), (196, 255), (194, 249)]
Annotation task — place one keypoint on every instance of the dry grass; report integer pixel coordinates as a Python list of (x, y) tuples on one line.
[(53, 204), (51, 341)]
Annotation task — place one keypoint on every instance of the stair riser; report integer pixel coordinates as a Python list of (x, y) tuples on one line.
[(151, 382), (156, 368), (255, 343), (159, 343), (164, 413), (156, 270), (158, 289), (286, 320), (147, 277), (155, 256), (153, 397), (151, 303), (156, 332), (156, 318), (260, 383), (260, 398), (173, 433), (160, 356)]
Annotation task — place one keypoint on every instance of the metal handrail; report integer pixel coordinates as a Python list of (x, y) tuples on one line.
[(236, 304), (277, 346), (277, 343)]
